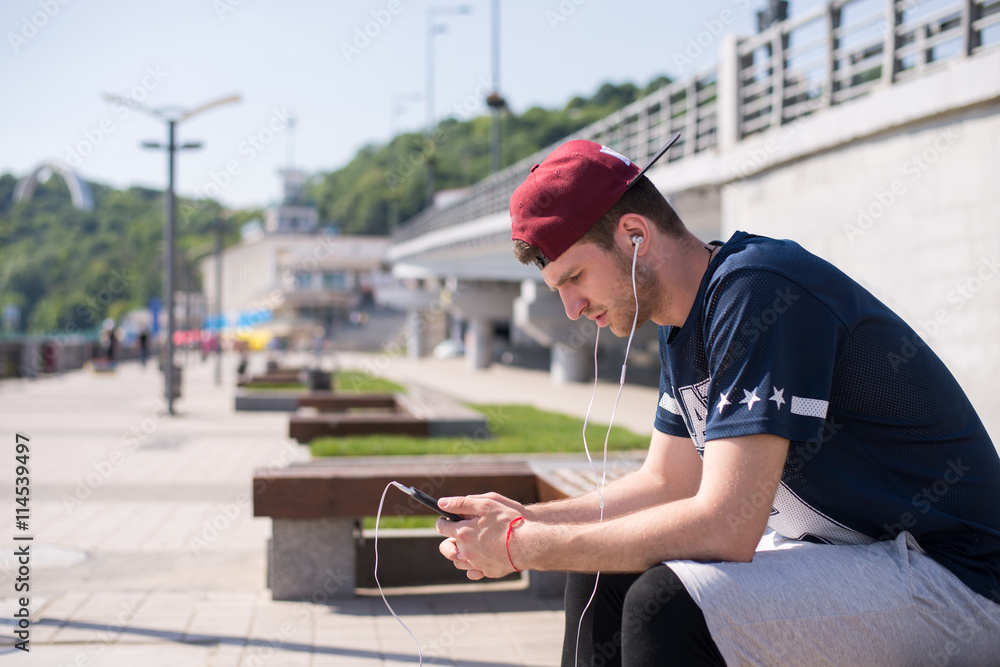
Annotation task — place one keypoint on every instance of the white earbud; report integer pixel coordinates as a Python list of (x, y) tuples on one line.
[(636, 240)]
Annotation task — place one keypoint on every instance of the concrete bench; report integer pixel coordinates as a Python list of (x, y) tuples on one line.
[(314, 378), (316, 510), (330, 401), (321, 401), (419, 412), (276, 377)]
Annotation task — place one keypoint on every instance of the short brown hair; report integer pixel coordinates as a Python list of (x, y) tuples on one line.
[(642, 198)]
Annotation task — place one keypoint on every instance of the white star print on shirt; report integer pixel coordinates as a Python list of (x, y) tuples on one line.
[(779, 397), (750, 398), (723, 401)]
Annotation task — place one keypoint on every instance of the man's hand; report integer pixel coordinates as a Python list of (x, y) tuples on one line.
[(478, 544), (521, 510)]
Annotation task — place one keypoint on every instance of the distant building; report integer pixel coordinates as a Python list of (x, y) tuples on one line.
[(291, 277), (292, 215)]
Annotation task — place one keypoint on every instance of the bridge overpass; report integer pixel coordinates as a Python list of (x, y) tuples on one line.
[(868, 131)]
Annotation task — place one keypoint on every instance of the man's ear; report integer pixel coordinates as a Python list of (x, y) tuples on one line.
[(633, 230)]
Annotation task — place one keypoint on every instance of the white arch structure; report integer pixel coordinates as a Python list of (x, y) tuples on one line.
[(79, 191)]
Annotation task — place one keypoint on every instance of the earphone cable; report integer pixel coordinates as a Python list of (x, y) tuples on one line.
[(600, 495), (604, 472), (420, 655)]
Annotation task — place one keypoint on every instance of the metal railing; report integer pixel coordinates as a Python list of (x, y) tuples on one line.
[(637, 130), (847, 48), (28, 355), (829, 55)]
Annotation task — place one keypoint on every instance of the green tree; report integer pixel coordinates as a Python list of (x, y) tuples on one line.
[(359, 197), (69, 269)]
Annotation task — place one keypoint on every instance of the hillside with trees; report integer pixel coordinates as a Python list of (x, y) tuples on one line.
[(359, 196), (68, 269)]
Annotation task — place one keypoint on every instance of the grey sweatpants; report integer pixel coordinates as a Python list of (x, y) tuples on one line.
[(881, 604)]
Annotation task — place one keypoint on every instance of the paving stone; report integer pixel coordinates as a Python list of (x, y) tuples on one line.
[(138, 495)]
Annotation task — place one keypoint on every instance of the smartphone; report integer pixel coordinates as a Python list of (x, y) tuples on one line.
[(428, 501)]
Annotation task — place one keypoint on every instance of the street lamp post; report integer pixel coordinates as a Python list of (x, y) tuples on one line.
[(173, 116), (495, 101), (398, 108), (435, 29)]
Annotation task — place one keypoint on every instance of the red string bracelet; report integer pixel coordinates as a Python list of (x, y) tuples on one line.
[(510, 530)]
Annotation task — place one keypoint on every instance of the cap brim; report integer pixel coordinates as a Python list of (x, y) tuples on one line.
[(653, 161)]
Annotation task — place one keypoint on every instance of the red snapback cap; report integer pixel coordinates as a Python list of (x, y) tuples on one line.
[(568, 192)]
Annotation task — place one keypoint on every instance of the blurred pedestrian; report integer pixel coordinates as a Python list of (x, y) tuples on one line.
[(112, 346), (143, 347)]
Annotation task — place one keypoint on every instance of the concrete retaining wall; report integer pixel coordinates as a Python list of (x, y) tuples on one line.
[(913, 214)]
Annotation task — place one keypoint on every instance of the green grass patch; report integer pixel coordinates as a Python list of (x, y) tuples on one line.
[(516, 429), (344, 382), (359, 382), (275, 386), (421, 521)]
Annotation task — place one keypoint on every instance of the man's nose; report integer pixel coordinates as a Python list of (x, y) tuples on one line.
[(574, 304)]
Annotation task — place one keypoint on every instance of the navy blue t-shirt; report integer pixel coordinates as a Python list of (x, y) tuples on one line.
[(883, 439)]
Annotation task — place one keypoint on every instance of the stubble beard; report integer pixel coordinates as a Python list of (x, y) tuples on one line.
[(650, 293)]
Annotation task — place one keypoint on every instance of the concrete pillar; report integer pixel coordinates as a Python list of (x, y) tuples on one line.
[(311, 559), (31, 359), (424, 329), (456, 328), (571, 363), (425, 312), (728, 85), (478, 344), (415, 328), (435, 327), (540, 314), (481, 304)]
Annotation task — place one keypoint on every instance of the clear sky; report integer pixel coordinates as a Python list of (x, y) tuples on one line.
[(340, 68)]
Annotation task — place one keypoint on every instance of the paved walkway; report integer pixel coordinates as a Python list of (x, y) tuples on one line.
[(145, 552)]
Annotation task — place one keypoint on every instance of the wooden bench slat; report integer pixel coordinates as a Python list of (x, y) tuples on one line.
[(308, 492), (557, 482), (347, 467), (329, 401), (420, 412), (305, 428), (434, 406)]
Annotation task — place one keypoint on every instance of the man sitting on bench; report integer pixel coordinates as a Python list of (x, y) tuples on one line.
[(790, 398)]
